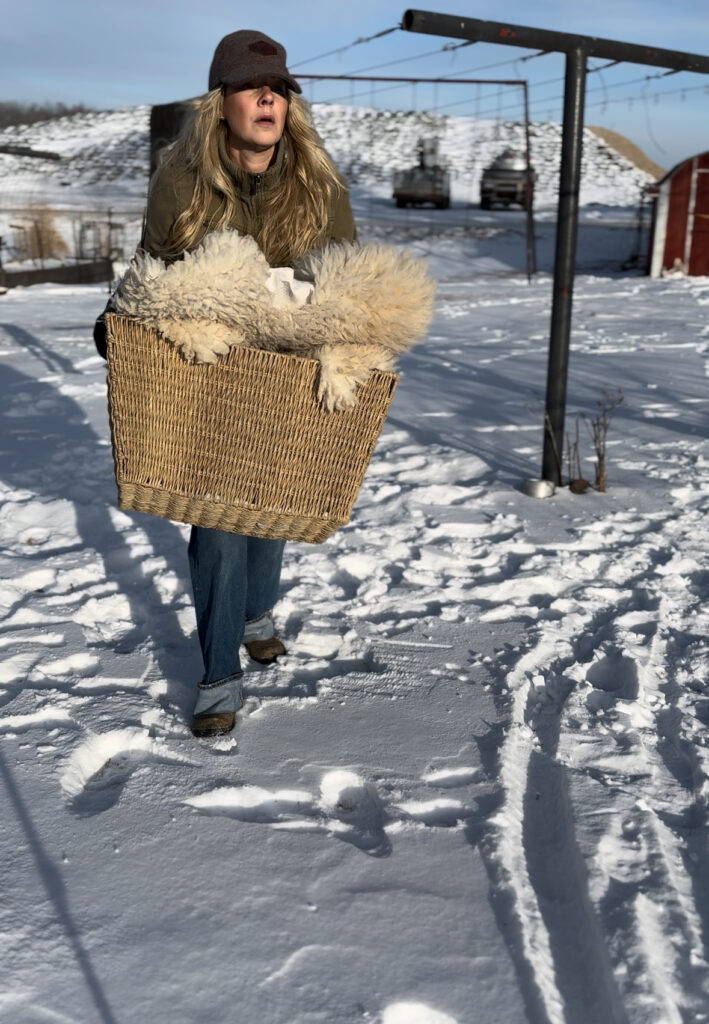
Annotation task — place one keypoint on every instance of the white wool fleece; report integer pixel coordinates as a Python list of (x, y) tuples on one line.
[(374, 301)]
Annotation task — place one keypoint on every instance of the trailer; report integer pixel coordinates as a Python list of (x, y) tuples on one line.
[(427, 182), (505, 181)]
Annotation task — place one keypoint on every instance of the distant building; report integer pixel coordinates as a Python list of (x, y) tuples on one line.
[(679, 240), (166, 121)]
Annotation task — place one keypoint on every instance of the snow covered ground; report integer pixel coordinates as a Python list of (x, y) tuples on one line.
[(475, 791)]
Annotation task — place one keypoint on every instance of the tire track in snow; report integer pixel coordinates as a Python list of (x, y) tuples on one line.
[(511, 850), (534, 779)]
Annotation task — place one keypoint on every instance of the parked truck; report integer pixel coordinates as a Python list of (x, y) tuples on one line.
[(505, 181), (427, 182)]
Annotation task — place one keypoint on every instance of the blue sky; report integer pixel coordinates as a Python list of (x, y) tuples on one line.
[(109, 54)]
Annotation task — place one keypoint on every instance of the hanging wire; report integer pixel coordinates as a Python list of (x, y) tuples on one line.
[(458, 46), (406, 60), (610, 64), (648, 123), (604, 103), (407, 208), (617, 85), (454, 50), (371, 92), (664, 92), (498, 64), (352, 124), (370, 197), (341, 49), (492, 109), (459, 73), (601, 79), (437, 128)]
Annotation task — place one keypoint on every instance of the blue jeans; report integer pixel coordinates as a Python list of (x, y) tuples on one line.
[(235, 583)]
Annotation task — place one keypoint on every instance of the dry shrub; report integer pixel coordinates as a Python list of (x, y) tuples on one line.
[(598, 427), (577, 481), (38, 238), (598, 430)]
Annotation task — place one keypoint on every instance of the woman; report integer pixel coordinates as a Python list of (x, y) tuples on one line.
[(250, 160)]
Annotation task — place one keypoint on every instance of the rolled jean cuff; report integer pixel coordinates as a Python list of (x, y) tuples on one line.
[(261, 628), (220, 696)]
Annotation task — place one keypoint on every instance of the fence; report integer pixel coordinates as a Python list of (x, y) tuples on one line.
[(44, 244), (91, 272)]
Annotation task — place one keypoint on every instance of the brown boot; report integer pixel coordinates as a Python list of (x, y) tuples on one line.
[(217, 724), (265, 651)]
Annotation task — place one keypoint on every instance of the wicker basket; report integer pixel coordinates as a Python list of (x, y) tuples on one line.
[(240, 445)]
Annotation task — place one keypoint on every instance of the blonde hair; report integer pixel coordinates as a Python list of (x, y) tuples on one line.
[(294, 216)]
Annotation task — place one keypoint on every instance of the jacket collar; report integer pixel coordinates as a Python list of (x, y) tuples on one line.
[(248, 183)]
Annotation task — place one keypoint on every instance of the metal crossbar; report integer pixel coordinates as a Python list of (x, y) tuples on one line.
[(578, 48), (521, 83)]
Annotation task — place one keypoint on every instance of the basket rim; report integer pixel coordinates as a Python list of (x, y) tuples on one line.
[(251, 348)]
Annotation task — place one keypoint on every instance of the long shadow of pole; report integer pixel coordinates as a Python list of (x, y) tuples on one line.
[(56, 892)]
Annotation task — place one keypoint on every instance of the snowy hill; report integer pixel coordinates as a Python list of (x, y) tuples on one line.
[(368, 144), (105, 156), (104, 160)]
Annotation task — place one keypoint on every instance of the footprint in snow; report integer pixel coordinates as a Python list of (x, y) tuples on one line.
[(253, 803), (356, 812), (446, 778), (99, 768), (49, 717), (442, 811), (414, 1013), (349, 809), (613, 676)]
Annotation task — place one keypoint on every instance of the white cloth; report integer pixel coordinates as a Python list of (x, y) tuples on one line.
[(286, 291)]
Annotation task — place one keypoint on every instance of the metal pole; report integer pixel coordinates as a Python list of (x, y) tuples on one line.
[(477, 31), (529, 194), (564, 263), (577, 49)]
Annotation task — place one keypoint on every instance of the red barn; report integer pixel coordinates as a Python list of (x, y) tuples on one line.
[(680, 225)]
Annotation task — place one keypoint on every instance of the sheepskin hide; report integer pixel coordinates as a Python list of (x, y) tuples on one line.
[(369, 303)]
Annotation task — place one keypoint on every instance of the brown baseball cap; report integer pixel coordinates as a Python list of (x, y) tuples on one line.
[(245, 55)]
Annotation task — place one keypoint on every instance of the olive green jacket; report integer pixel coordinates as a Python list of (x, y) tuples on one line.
[(170, 193), (171, 190)]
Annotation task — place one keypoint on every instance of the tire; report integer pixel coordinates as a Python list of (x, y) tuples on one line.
[(484, 204), (400, 203)]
